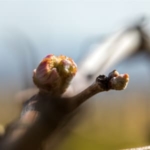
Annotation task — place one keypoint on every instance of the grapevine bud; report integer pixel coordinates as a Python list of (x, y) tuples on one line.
[(120, 81), (54, 73)]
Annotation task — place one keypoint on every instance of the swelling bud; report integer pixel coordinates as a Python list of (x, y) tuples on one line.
[(54, 73)]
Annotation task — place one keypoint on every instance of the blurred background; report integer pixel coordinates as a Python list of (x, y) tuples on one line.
[(29, 30)]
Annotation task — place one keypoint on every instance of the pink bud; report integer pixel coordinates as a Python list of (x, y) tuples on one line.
[(54, 73)]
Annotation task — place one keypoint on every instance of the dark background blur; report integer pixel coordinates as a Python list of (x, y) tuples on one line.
[(29, 30)]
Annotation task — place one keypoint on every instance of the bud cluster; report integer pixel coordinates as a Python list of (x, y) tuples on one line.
[(54, 73), (118, 81)]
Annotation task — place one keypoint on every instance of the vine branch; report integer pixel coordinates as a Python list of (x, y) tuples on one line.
[(48, 111)]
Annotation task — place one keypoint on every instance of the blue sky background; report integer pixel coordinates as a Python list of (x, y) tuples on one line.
[(63, 26)]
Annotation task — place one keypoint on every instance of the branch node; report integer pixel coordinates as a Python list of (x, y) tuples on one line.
[(103, 81)]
